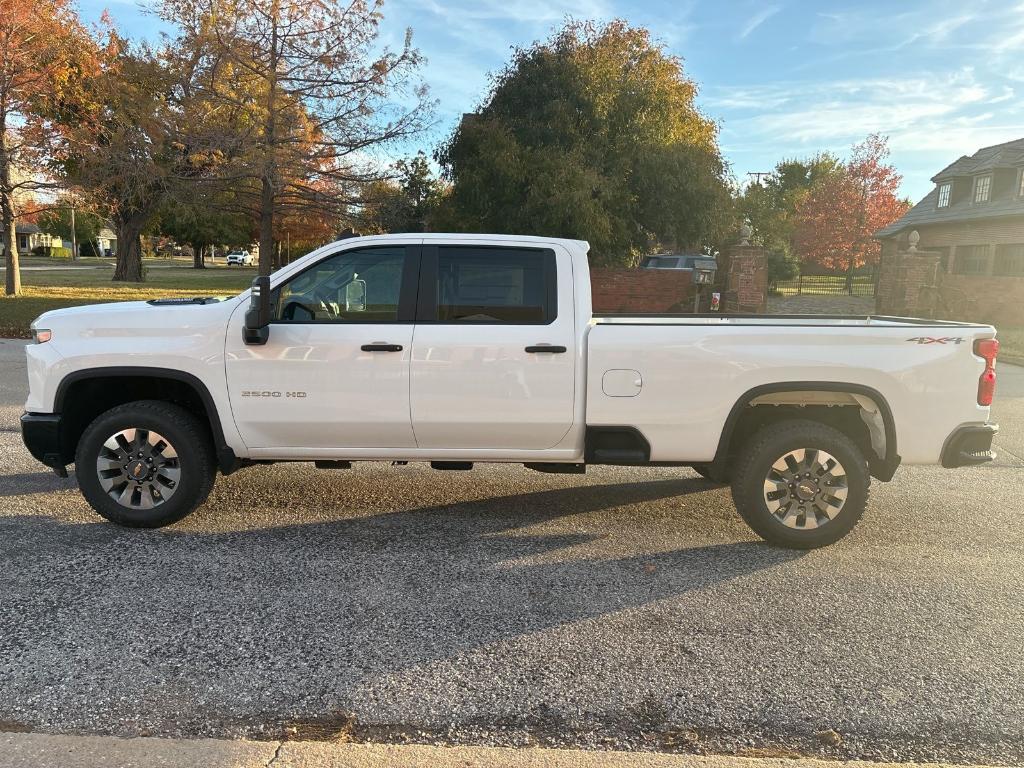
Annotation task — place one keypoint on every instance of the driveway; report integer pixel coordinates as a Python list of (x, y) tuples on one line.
[(628, 608)]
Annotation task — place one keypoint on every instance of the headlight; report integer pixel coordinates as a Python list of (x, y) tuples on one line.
[(41, 335)]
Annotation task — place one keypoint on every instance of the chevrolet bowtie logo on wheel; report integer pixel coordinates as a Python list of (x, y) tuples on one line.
[(934, 340)]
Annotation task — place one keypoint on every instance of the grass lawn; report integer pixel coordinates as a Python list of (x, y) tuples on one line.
[(1011, 344), (70, 287)]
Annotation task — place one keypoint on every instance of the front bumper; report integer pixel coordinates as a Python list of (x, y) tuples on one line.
[(969, 445), (43, 436)]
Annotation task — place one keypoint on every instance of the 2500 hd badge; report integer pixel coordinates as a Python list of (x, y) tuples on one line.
[(268, 393)]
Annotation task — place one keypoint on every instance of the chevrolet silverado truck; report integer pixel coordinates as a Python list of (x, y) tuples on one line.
[(457, 349)]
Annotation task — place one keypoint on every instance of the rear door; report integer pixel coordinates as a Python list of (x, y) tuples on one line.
[(494, 350)]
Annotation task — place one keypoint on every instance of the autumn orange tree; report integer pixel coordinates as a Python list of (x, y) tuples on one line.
[(43, 52), (313, 93), (837, 218)]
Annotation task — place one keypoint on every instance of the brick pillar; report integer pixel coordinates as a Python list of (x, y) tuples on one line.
[(745, 283), (907, 281)]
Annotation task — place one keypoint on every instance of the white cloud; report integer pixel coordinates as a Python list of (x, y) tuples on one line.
[(933, 116), (757, 20)]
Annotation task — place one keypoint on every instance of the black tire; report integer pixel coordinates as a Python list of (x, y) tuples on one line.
[(188, 436), (772, 444)]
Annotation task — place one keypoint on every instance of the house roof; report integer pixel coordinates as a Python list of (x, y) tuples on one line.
[(1008, 155), (24, 229)]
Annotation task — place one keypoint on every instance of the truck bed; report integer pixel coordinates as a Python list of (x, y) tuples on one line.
[(676, 378)]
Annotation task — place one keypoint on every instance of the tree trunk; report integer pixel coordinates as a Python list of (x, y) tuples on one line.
[(12, 285), (198, 256), (129, 249), (849, 274), (269, 150)]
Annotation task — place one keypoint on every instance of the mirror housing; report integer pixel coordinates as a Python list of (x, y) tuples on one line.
[(256, 329)]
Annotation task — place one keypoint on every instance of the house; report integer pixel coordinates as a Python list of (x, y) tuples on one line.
[(107, 240), (972, 224), (29, 236)]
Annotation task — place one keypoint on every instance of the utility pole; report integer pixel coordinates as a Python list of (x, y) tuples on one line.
[(757, 176), (74, 236), (288, 246)]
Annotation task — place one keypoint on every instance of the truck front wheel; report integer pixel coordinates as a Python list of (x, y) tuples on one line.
[(145, 464), (801, 484)]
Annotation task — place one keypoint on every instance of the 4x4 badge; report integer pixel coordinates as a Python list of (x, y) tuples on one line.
[(940, 340)]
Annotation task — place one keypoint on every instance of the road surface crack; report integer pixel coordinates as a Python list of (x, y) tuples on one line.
[(277, 754)]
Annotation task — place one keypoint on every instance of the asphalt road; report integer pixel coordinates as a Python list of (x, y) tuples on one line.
[(628, 608)]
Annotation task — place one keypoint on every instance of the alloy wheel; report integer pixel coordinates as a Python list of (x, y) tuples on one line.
[(138, 468), (805, 488)]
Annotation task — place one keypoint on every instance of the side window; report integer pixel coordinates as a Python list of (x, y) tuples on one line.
[(495, 285), (352, 286)]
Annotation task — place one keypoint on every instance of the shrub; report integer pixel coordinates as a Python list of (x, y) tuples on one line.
[(52, 252)]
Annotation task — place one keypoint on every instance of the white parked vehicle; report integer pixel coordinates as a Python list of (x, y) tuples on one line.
[(242, 258), (456, 349)]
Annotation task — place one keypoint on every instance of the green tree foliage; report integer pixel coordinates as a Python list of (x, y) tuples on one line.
[(771, 208), (203, 221), (56, 220), (405, 203), (592, 134)]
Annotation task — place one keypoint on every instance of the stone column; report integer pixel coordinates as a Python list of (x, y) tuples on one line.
[(908, 281), (745, 283)]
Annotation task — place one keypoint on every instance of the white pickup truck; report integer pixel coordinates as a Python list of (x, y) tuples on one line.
[(456, 349)]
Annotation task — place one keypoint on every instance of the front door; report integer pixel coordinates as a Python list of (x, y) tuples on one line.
[(335, 371), (494, 353)]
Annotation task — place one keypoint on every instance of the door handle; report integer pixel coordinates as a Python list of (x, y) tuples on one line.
[(546, 348), (378, 346)]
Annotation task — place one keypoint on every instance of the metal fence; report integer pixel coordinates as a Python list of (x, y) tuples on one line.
[(825, 285)]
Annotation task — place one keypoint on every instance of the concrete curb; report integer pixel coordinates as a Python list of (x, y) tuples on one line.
[(36, 750)]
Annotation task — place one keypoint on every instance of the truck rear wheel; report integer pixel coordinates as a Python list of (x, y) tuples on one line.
[(145, 464), (801, 484)]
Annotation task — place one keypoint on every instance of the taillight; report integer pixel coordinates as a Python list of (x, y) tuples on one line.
[(989, 350)]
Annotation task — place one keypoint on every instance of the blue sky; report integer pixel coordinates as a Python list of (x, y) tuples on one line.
[(783, 79)]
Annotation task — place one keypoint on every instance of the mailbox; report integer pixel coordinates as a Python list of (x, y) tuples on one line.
[(704, 271)]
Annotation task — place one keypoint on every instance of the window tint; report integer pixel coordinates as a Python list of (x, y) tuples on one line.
[(662, 262), (352, 286), (495, 285)]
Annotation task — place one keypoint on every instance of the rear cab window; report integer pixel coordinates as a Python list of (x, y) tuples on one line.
[(515, 286)]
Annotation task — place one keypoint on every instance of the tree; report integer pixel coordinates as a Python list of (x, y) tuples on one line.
[(591, 134), (42, 48), (836, 221), (121, 144), (405, 203), (204, 220), (316, 97), (56, 220), (770, 207)]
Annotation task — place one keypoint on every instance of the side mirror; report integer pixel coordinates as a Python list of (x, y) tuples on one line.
[(256, 329)]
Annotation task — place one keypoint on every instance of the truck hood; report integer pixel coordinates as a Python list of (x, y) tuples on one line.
[(160, 317)]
